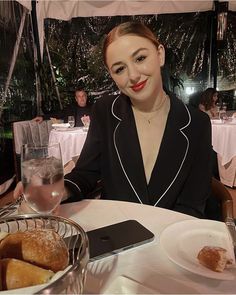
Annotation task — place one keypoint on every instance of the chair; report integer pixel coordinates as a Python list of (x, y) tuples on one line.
[(220, 204), (28, 132)]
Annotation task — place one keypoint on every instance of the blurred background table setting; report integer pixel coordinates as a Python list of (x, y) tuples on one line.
[(224, 144), (71, 141), (60, 126)]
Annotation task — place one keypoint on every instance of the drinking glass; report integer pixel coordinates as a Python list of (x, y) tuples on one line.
[(223, 114), (218, 106), (86, 121), (224, 107), (42, 177), (71, 121)]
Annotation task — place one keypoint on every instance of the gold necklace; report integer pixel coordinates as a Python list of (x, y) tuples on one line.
[(148, 116)]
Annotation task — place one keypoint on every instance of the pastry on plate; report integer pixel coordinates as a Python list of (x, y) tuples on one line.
[(214, 258)]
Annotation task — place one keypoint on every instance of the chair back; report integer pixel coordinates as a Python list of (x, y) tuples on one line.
[(28, 132)]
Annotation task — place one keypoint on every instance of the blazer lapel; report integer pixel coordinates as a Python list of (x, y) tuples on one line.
[(172, 153), (128, 148)]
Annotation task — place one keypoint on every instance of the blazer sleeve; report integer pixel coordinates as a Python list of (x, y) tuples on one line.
[(196, 189), (84, 177)]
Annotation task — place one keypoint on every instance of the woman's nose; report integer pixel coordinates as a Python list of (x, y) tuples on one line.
[(134, 74)]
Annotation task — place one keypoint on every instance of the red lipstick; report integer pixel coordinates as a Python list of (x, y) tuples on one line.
[(139, 86)]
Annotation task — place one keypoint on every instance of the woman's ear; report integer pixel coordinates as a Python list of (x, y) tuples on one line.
[(161, 54)]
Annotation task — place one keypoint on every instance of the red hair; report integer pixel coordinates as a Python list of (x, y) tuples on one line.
[(128, 28)]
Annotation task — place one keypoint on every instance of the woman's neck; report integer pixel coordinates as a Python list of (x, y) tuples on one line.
[(150, 106)]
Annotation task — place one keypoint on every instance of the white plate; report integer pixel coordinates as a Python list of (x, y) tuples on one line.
[(125, 285), (183, 240), (74, 129), (64, 129), (62, 126)]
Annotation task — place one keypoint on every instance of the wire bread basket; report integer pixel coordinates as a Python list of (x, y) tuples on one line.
[(10, 208), (72, 280)]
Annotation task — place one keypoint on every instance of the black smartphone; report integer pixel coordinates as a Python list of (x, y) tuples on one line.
[(114, 238), (117, 237)]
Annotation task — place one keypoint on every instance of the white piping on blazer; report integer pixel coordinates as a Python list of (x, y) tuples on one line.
[(114, 141), (186, 151), (122, 167)]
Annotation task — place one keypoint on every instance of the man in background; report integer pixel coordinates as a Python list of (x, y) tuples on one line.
[(78, 110)]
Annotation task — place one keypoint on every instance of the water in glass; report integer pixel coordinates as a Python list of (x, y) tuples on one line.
[(71, 121), (218, 106), (42, 178)]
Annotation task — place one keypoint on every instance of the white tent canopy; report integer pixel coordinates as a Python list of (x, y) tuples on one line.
[(67, 9)]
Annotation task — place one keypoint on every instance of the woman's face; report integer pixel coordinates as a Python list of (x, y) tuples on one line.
[(134, 64), (215, 97)]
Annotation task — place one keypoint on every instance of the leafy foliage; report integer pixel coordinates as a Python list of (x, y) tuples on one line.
[(76, 52)]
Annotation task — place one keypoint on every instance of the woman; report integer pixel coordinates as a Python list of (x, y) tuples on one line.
[(144, 145), (208, 102)]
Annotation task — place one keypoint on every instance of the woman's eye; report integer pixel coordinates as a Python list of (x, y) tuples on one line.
[(140, 58), (119, 70)]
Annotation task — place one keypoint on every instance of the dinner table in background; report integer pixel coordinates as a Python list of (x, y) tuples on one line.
[(71, 141), (166, 265), (224, 144)]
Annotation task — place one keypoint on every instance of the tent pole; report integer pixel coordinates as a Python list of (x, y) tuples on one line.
[(37, 80), (209, 79), (214, 49), (35, 29), (53, 75), (37, 57), (15, 53)]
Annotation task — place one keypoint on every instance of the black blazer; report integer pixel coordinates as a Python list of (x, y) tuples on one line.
[(181, 176)]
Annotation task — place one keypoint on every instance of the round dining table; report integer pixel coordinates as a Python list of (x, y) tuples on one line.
[(224, 144), (71, 141), (224, 139), (146, 268)]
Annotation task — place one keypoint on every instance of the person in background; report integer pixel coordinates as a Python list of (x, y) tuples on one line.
[(80, 110), (144, 145), (208, 101)]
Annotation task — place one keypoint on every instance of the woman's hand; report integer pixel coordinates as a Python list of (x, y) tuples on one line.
[(18, 191), (25, 208)]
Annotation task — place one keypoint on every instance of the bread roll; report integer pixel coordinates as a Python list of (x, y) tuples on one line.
[(214, 258), (41, 247), (3, 235), (19, 274)]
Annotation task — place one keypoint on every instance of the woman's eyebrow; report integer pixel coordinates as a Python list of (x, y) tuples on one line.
[(133, 54), (138, 50)]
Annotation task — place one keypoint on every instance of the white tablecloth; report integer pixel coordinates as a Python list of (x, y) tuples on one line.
[(31, 132), (71, 142), (224, 140), (147, 266), (224, 143)]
